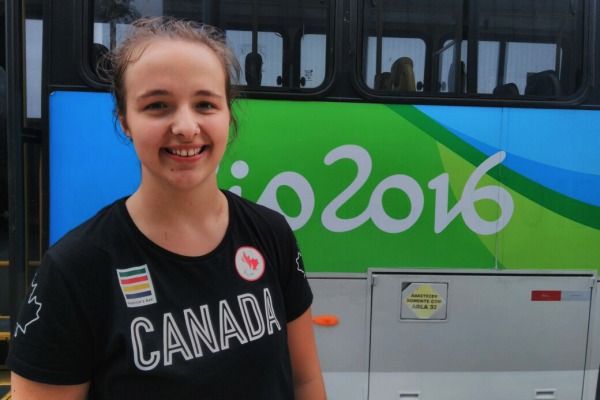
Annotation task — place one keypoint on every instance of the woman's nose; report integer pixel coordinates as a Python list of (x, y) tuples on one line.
[(185, 123)]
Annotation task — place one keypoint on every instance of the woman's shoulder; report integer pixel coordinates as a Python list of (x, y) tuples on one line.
[(260, 219), (254, 210), (92, 238)]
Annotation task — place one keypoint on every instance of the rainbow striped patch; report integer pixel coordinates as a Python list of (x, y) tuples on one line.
[(136, 285)]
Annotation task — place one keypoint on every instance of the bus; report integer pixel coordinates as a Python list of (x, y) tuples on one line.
[(437, 160)]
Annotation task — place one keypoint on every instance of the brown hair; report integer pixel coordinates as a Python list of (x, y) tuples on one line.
[(144, 31)]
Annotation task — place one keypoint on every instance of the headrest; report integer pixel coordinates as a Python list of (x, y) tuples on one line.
[(545, 83), (508, 89), (383, 81), (253, 69), (403, 76), (462, 80)]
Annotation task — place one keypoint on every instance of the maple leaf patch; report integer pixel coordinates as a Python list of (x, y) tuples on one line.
[(249, 263), (30, 312)]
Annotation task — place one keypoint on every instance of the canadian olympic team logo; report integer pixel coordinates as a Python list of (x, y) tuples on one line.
[(249, 263)]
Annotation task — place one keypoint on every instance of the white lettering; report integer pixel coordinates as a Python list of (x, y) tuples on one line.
[(298, 184), (144, 364), (270, 313), (375, 211), (201, 331), (361, 157), (229, 326), (255, 326), (411, 188), (173, 341), (470, 195)]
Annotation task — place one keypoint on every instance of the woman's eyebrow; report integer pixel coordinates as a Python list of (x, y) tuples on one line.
[(153, 92), (163, 92), (207, 93)]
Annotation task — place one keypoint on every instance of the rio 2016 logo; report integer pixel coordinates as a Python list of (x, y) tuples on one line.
[(375, 210)]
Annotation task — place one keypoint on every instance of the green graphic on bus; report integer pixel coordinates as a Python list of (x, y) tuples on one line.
[(370, 185)]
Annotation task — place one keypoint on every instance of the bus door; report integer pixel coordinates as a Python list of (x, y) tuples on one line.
[(4, 308), (21, 213)]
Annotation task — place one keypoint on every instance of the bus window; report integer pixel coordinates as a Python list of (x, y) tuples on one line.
[(270, 52), (451, 79), (488, 60), (3, 170), (393, 29), (543, 56), (33, 59), (516, 67), (392, 49), (312, 60), (108, 35), (487, 67), (496, 48), (280, 44)]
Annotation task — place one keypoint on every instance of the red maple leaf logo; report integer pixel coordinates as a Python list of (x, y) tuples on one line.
[(252, 262)]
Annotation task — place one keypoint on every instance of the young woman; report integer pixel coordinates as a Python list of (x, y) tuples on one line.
[(182, 290)]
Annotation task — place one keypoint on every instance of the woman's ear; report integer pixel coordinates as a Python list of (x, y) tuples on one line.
[(123, 124)]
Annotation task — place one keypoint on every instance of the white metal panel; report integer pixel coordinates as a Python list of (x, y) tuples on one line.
[(496, 343), (593, 356), (343, 347)]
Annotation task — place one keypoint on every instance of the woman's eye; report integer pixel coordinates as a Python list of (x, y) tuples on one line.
[(155, 106), (205, 105)]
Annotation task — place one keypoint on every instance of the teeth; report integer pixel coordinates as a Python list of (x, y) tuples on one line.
[(185, 152)]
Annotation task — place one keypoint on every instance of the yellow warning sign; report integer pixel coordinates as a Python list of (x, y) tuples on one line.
[(424, 301)]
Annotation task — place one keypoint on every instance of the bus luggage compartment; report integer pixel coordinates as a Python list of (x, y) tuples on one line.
[(450, 334)]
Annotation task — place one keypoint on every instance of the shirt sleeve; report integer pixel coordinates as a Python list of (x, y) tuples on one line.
[(296, 291), (52, 342)]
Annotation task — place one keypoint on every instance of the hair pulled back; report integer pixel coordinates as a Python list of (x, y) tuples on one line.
[(146, 30)]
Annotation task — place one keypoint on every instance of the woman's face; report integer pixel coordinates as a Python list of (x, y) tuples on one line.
[(177, 113)]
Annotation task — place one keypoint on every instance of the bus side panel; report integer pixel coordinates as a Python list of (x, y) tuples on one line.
[(340, 314), (374, 185), (91, 165), (362, 185), (591, 388), (559, 208), (483, 336), (436, 186), (551, 175)]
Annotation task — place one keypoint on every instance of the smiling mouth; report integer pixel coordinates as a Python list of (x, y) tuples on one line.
[(185, 152)]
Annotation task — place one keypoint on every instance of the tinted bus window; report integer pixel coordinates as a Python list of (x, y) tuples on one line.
[(519, 68), (33, 61), (280, 44), (270, 49), (391, 49), (499, 48), (312, 60)]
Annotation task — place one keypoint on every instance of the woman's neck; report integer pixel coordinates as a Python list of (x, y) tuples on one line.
[(190, 223)]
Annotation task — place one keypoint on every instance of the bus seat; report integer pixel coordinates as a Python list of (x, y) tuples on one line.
[(508, 89), (403, 75), (545, 83), (461, 85), (253, 69), (383, 81)]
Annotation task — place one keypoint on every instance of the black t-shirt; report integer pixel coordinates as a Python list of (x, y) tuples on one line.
[(109, 306)]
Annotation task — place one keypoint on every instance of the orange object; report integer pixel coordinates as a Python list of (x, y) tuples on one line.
[(326, 320)]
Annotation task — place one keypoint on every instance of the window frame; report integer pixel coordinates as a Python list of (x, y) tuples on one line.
[(571, 100), (84, 34)]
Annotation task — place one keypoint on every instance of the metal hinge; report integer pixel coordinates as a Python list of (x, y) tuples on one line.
[(374, 280)]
